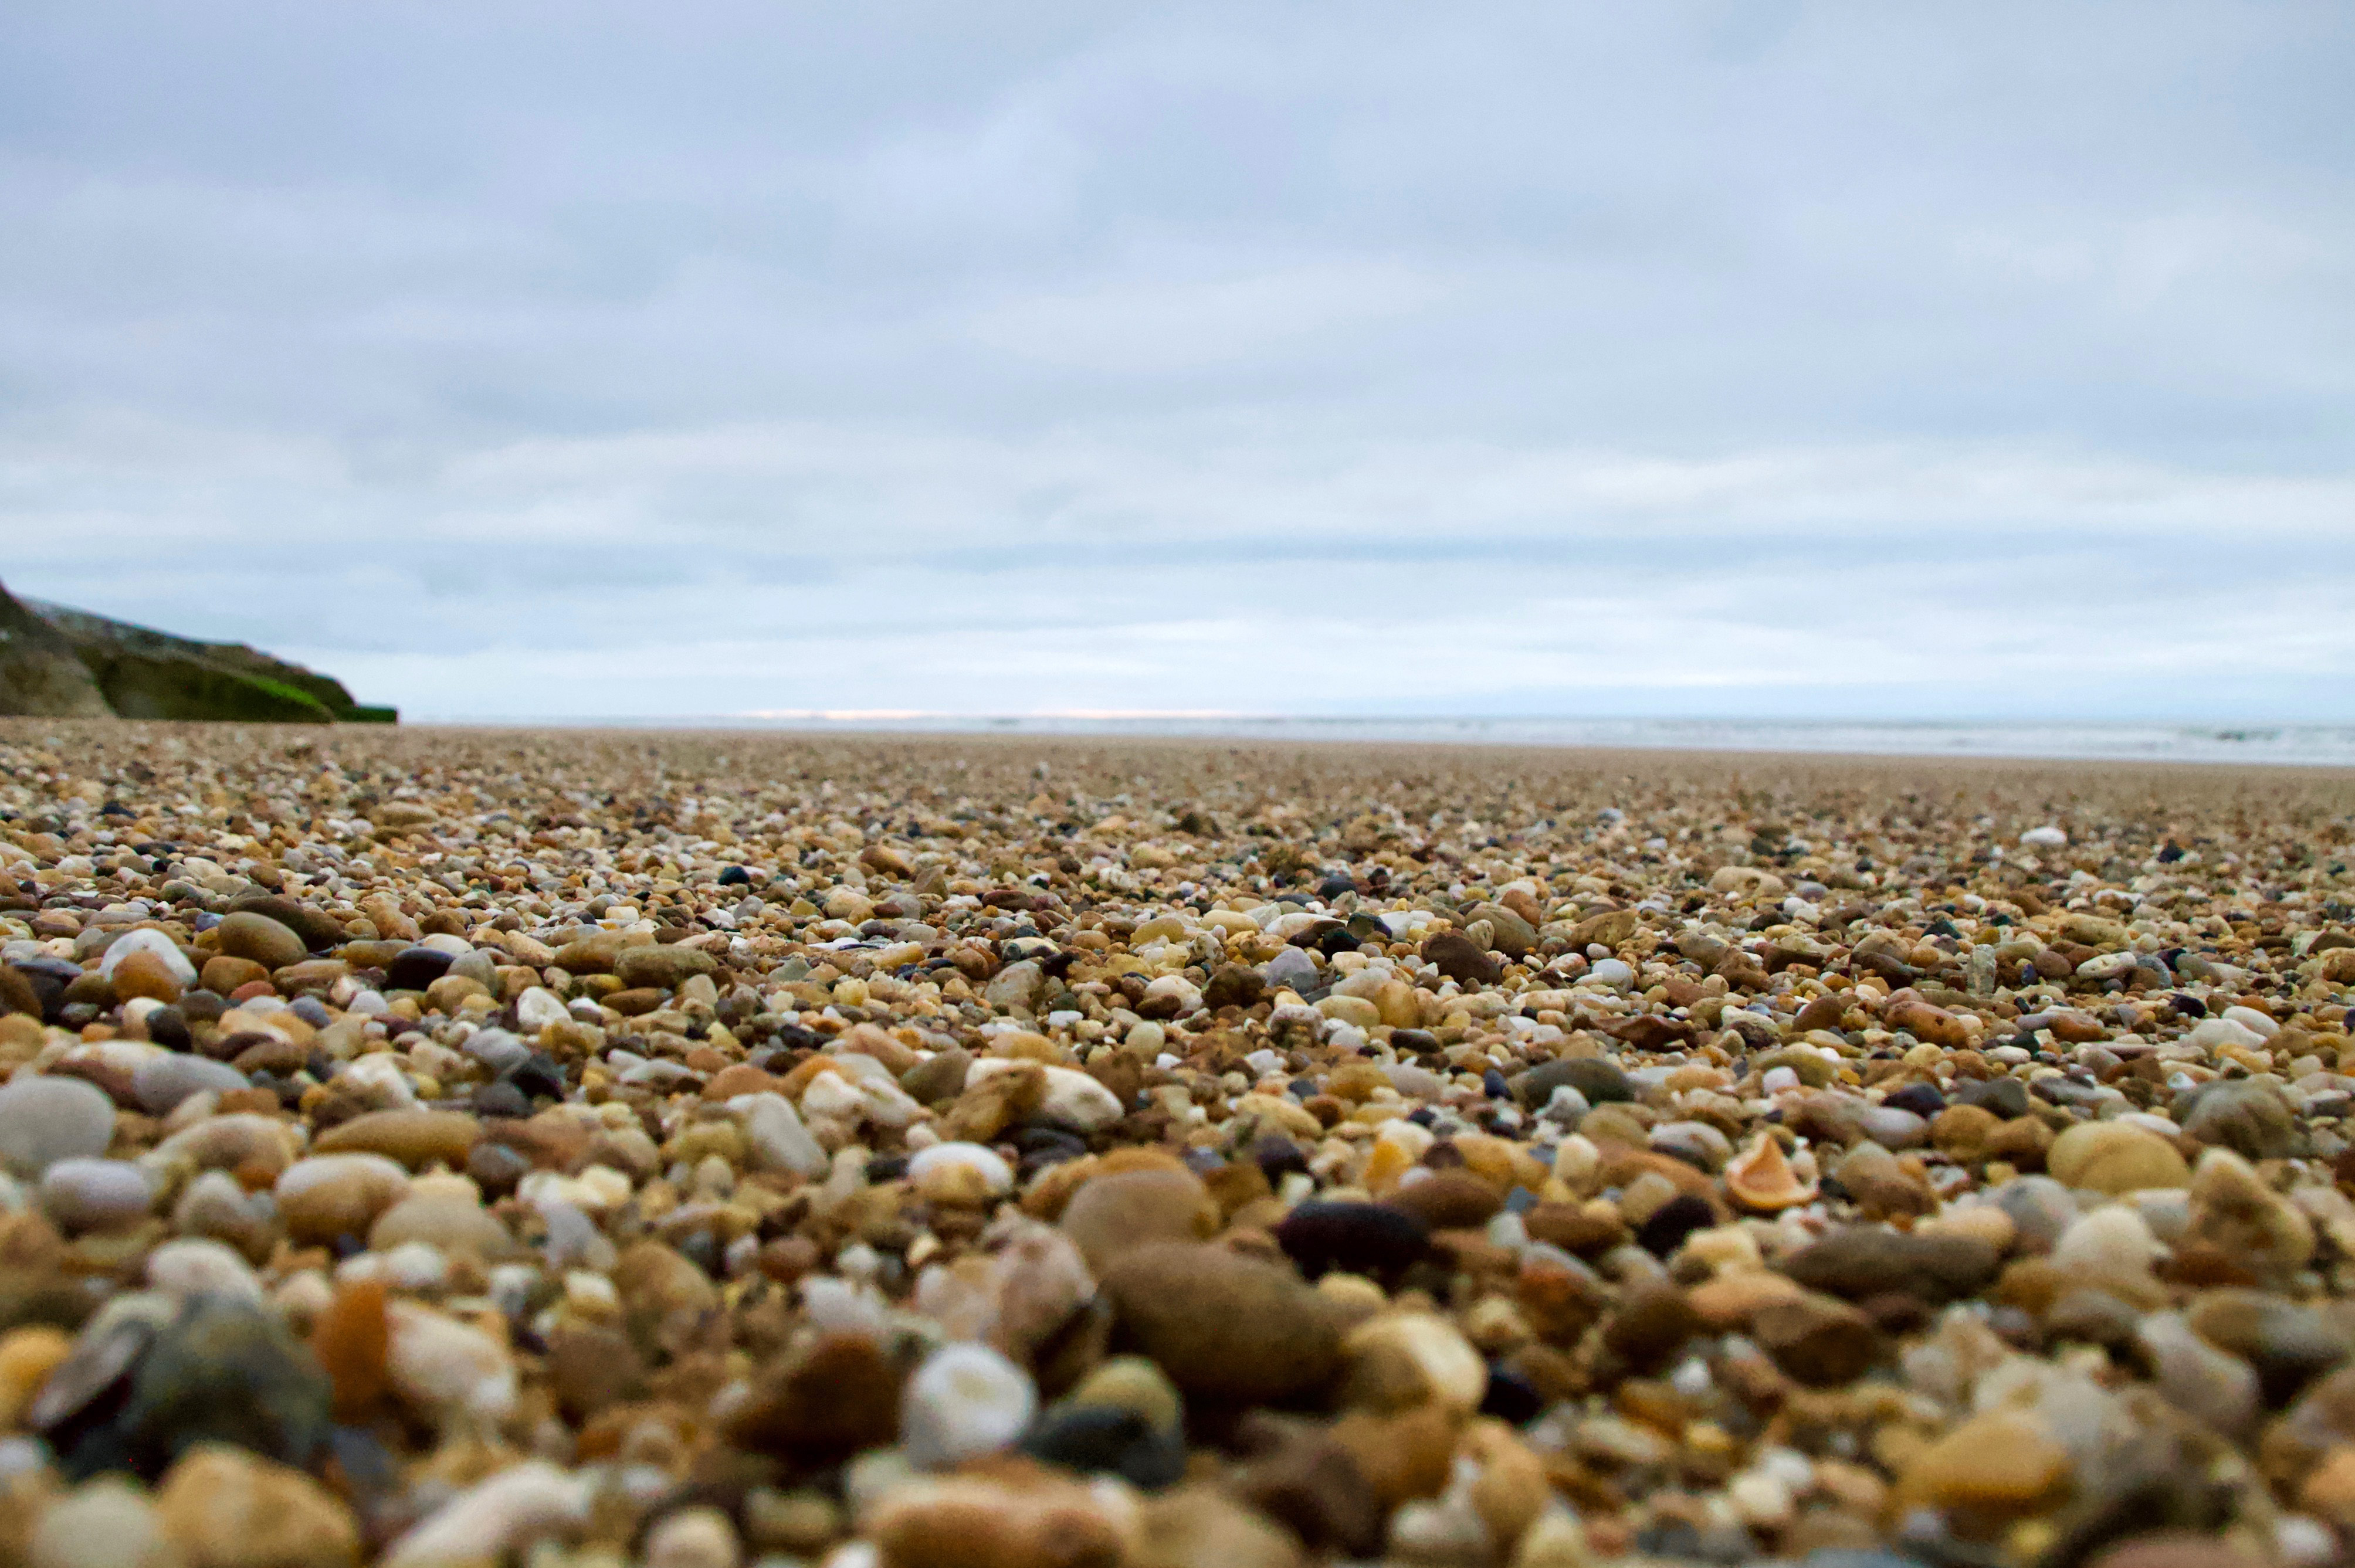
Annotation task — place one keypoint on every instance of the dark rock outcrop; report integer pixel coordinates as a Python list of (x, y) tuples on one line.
[(40, 674), (66, 663)]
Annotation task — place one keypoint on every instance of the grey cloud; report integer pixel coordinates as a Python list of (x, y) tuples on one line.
[(568, 359)]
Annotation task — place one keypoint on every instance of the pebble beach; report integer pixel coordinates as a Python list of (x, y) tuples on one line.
[(587, 1149)]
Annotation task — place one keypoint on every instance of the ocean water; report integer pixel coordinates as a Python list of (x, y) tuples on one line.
[(2324, 746)]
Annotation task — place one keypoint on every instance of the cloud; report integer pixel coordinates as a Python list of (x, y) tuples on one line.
[(1164, 324), (1563, 359)]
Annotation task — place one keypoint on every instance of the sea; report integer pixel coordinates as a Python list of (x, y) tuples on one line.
[(2298, 744)]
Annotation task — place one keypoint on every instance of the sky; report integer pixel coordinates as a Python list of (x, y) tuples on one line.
[(1735, 357)]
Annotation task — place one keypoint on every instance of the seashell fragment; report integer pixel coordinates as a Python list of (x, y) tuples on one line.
[(1762, 1182)]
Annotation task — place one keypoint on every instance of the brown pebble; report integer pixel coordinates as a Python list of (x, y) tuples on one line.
[(415, 1138), (1223, 1326)]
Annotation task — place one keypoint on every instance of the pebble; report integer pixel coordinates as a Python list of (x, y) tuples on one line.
[(967, 1173), (2288, 1345), (1399, 1359), (693, 1538), (1375, 1239), (1224, 1326), (191, 1267), (1197, 1528), (258, 939), (328, 1196), (44, 1119), (2003, 1462), (2172, 1548), (2248, 1118), (778, 1140), (2112, 1243), (2114, 1157), (2212, 1386), (1115, 1213), (416, 1138), (1819, 1342), (2040, 1208), (1498, 1162), (1862, 1261), (217, 1371), (106, 1523), (963, 1401), (95, 1194), (225, 1508), (161, 1084), (494, 1516)]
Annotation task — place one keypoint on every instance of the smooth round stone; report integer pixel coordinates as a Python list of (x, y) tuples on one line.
[(414, 969), (2111, 1157), (1375, 1239), (1106, 1439), (2110, 1242), (779, 1141), (1448, 1200), (495, 1516), (453, 1223), (1290, 969), (1695, 1142), (1401, 1359), (1857, 1262), (1893, 1128), (1599, 1079), (1224, 1326), (693, 1538), (478, 966), (194, 1265), (2173, 1549), (498, 1050), (330, 1195), (261, 939), (2261, 1025), (963, 1401), (144, 977), (95, 1194), (46, 1120), (1077, 1100), (155, 945), (225, 1506), (2248, 1118), (958, 1171), (2040, 1208), (414, 1138), (2289, 1344), (2005, 1097), (1816, 1341), (228, 1142), (2213, 1386), (161, 1083), (2211, 1034), (2002, 1462), (1110, 1214), (107, 1522)]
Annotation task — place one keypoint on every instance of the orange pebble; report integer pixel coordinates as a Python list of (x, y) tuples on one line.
[(352, 1340)]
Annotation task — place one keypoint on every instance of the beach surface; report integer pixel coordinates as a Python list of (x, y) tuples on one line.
[(706, 1149)]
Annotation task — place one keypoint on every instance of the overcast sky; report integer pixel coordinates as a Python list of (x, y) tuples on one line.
[(1726, 358)]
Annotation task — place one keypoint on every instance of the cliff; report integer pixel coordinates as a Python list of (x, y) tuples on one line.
[(61, 663)]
